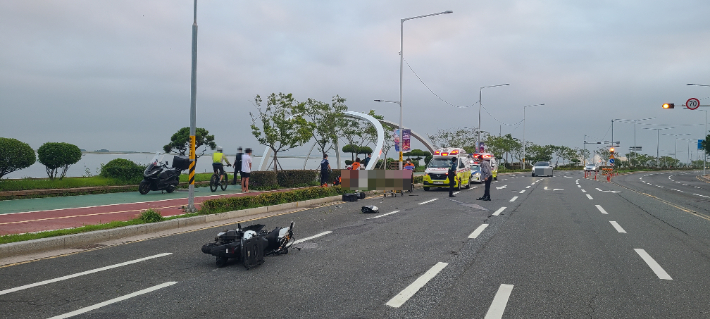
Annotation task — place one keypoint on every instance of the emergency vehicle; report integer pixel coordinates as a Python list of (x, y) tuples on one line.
[(486, 156), (437, 171)]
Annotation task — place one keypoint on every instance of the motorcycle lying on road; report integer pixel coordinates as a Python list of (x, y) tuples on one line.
[(250, 244), (158, 176)]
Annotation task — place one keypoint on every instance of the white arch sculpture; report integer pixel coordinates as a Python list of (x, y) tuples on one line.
[(263, 164)]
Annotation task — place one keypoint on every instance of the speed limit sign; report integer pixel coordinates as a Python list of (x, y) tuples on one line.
[(692, 103)]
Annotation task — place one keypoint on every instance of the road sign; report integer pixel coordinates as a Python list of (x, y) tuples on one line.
[(692, 103), (635, 148), (611, 160)]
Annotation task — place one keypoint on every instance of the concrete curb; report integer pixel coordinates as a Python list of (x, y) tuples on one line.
[(89, 238)]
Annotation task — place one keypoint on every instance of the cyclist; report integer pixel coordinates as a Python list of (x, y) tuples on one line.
[(217, 159)]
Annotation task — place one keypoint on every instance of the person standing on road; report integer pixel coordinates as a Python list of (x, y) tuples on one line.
[(246, 170), (324, 170), (452, 176), (237, 165), (487, 175)]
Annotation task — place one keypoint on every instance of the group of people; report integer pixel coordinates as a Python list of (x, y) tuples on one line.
[(242, 165), (486, 174)]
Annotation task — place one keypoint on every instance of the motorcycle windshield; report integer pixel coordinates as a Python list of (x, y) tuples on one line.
[(154, 163)]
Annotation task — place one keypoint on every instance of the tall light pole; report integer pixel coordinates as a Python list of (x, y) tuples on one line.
[(401, 64), (705, 155), (525, 107), (658, 139), (675, 149), (479, 108), (627, 121), (193, 116)]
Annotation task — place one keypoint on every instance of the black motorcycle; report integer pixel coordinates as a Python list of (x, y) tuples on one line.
[(250, 244), (158, 176)]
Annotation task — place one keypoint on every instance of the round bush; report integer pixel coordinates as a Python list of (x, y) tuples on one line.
[(14, 155), (56, 156), (123, 169)]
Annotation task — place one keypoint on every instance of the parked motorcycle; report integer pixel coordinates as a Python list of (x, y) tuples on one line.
[(250, 244), (158, 176)]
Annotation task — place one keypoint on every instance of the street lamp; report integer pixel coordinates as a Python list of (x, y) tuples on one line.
[(524, 107), (479, 107), (627, 121), (401, 64), (658, 139), (705, 155), (675, 152)]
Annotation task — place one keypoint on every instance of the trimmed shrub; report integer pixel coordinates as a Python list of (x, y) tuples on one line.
[(263, 180), (123, 169), (150, 216), (57, 157), (297, 178), (14, 155), (225, 204)]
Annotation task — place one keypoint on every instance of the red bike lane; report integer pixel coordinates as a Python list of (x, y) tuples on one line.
[(26, 222)]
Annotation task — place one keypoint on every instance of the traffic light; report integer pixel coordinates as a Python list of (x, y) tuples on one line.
[(668, 105)]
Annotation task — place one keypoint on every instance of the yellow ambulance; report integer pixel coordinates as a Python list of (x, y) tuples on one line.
[(436, 173)]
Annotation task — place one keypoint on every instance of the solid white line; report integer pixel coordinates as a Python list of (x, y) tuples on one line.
[(589, 196), (522, 191), (412, 289), (662, 274), (383, 215), (115, 300), (513, 199), (500, 210), (41, 283), (600, 208), (617, 227), (499, 302), (312, 237), (478, 231), (583, 191), (429, 201)]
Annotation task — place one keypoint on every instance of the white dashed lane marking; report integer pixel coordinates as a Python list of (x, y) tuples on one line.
[(398, 300), (497, 307), (589, 196), (513, 199), (617, 227), (478, 231), (599, 207), (429, 201), (500, 210), (662, 274)]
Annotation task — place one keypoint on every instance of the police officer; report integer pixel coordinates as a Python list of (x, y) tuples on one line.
[(452, 176)]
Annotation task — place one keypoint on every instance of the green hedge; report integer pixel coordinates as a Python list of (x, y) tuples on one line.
[(219, 205), (263, 180), (297, 178), (123, 169)]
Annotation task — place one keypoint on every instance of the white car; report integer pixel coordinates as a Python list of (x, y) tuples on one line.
[(591, 167), (542, 169)]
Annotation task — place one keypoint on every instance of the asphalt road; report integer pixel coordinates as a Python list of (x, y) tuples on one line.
[(559, 247)]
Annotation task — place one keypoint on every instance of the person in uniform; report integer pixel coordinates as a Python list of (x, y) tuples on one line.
[(487, 175), (452, 176)]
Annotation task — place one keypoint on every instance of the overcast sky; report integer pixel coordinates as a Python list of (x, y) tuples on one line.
[(116, 74)]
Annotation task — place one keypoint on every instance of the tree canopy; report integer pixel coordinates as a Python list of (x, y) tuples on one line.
[(14, 155), (180, 142)]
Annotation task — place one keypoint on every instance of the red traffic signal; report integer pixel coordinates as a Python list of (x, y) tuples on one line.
[(668, 105)]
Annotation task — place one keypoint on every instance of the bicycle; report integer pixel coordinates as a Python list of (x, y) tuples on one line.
[(215, 182)]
